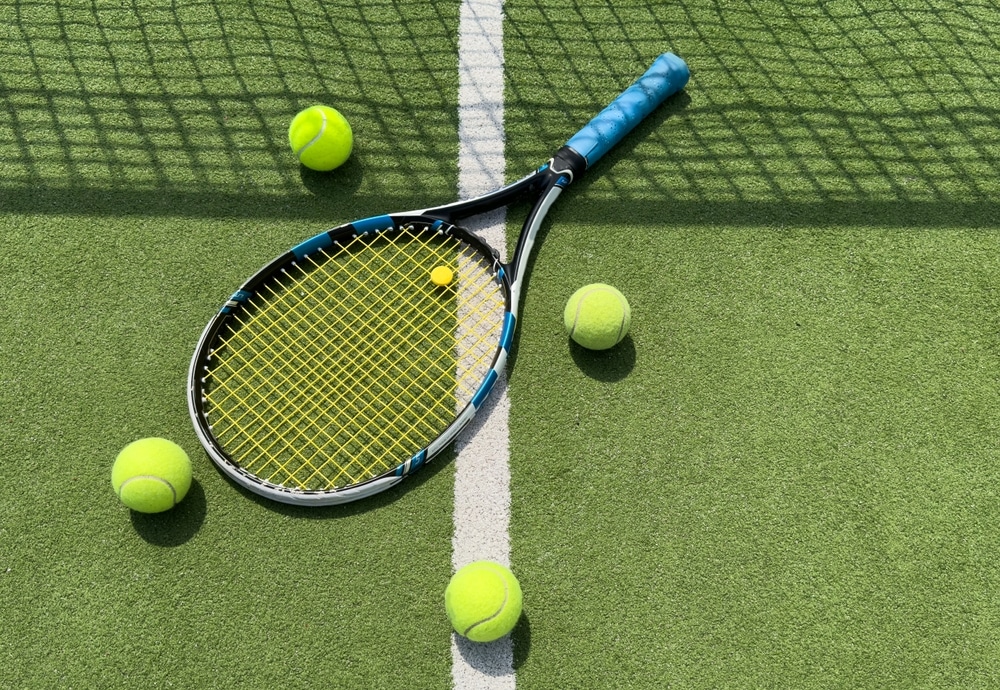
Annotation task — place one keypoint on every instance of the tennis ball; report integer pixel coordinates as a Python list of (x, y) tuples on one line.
[(442, 275), (321, 138), (597, 316), (151, 475), (483, 601)]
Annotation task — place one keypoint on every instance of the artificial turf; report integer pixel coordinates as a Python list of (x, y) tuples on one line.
[(785, 477)]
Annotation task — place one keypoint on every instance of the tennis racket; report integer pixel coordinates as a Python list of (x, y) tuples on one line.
[(341, 367)]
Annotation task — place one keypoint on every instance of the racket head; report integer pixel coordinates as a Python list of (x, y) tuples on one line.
[(341, 367)]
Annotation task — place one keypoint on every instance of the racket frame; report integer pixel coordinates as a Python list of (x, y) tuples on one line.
[(667, 76), (543, 182)]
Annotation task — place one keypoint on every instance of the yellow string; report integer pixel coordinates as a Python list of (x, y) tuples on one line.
[(350, 362)]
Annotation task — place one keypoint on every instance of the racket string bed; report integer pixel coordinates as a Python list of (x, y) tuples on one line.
[(291, 390)]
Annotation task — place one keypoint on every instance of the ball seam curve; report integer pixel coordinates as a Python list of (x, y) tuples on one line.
[(148, 476), (316, 138), (579, 306), (500, 609)]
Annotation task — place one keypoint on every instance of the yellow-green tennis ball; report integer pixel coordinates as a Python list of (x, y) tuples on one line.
[(321, 137), (483, 601), (597, 316), (151, 475)]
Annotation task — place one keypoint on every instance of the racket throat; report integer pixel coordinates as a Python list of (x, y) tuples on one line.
[(522, 253), (568, 162)]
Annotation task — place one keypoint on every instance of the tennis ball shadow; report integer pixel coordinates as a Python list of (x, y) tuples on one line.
[(483, 656), (177, 525), (521, 639), (334, 184), (609, 365)]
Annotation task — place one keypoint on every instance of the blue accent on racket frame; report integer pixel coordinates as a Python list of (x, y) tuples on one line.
[(412, 464), (507, 335), (484, 390), (239, 297), (366, 226), (417, 460), (313, 244)]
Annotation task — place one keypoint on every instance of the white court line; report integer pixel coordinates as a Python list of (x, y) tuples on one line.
[(482, 471)]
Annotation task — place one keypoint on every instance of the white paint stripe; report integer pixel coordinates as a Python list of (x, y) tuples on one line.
[(482, 471), (481, 164)]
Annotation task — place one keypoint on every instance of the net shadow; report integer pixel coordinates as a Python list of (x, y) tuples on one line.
[(843, 113), (182, 109), (798, 114)]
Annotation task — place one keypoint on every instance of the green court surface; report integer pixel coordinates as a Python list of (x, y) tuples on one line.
[(785, 477)]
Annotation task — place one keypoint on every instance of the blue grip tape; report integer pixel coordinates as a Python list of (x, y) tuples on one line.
[(668, 75)]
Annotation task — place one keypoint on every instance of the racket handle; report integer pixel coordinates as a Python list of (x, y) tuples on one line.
[(667, 76)]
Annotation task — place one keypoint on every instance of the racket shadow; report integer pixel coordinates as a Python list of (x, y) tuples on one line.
[(346, 510)]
